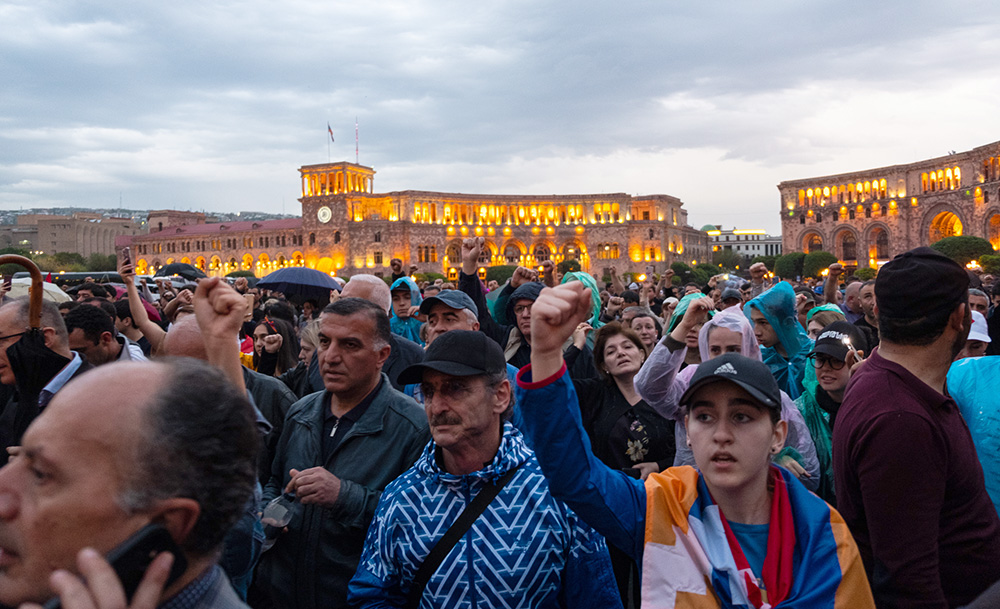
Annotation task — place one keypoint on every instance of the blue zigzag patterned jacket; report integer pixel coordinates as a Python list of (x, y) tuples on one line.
[(526, 550)]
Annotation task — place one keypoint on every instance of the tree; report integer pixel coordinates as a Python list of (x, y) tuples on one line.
[(814, 263), (102, 262), (865, 274), (964, 249), (241, 274), (789, 266), (727, 259), (10, 269), (430, 277), (500, 272), (769, 261), (990, 263), (567, 266)]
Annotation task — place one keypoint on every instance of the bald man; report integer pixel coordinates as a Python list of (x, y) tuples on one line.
[(270, 395)]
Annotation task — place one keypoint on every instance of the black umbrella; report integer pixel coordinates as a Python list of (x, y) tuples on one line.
[(181, 269), (300, 280)]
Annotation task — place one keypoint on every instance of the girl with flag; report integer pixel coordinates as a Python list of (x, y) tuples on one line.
[(737, 531)]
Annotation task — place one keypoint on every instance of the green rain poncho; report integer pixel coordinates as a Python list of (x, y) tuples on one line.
[(777, 305)]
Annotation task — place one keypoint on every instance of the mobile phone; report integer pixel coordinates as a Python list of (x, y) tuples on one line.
[(8, 279), (133, 556), (126, 255), (632, 472)]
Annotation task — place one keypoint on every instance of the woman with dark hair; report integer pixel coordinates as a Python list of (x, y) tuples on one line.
[(287, 350), (625, 432)]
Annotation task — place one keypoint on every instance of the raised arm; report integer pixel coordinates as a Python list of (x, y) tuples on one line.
[(608, 500), (219, 309), (657, 380), (153, 333)]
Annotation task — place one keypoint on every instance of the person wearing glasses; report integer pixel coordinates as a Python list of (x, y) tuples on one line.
[(839, 346), (34, 365)]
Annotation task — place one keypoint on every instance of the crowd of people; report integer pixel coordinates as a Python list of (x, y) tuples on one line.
[(545, 442)]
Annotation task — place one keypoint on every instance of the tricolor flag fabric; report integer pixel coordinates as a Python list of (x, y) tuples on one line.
[(330, 131), (691, 558)]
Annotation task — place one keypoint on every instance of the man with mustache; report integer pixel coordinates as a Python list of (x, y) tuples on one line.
[(339, 448), (525, 549)]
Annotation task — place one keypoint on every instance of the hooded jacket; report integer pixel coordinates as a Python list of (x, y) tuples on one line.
[(777, 305), (661, 383), (407, 327), (526, 550)]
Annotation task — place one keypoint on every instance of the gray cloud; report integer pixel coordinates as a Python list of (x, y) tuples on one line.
[(214, 105)]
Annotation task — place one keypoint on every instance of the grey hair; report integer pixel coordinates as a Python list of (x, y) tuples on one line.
[(471, 317), (980, 293), (380, 294), (199, 445), (51, 317), (345, 307)]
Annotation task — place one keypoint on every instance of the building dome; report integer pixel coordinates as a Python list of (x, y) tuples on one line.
[(709, 227)]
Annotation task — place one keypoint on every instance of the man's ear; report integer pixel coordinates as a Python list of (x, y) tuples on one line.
[(178, 515), (502, 397), (49, 335), (107, 337)]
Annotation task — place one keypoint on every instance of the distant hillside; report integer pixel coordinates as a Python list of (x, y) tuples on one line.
[(138, 216)]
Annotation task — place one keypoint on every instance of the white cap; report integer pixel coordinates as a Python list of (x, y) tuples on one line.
[(979, 329)]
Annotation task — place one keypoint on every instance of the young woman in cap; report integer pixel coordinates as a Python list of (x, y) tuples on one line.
[(838, 347), (736, 531)]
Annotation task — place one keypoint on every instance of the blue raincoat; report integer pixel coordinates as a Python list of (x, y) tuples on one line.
[(407, 327), (777, 305)]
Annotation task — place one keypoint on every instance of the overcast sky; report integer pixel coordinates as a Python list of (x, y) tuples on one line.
[(209, 105)]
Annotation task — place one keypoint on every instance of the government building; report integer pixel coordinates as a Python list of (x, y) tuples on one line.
[(867, 217), (347, 228)]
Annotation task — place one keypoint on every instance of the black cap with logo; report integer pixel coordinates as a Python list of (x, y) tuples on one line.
[(752, 375)]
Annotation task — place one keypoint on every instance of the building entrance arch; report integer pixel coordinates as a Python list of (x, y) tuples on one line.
[(944, 224), (812, 242), (992, 231)]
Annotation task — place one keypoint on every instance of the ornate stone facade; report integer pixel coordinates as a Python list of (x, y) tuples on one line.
[(867, 217), (347, 228)]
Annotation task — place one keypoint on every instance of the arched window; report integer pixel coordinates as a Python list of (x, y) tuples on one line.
[(882, 245), (849, 247), (312, 238), (542, 253), (511, 254)]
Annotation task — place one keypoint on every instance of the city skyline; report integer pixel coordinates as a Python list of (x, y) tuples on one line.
[(192, 106)]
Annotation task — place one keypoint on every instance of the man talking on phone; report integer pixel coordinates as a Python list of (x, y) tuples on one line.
[(90, 473)]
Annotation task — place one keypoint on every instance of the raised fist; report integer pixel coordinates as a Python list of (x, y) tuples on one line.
[(522, 275)]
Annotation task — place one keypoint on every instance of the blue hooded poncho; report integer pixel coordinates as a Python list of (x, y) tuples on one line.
[(406, 327), (777, 305)]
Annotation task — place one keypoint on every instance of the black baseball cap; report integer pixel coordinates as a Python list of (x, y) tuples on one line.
[(455, 299), (918, 283), (752, 375), (731, 294), (837, 340), (458, 353)]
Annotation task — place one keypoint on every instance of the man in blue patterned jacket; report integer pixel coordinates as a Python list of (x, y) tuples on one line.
[(525, 550)]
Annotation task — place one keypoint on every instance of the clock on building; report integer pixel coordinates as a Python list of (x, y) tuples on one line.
[(323, 214)]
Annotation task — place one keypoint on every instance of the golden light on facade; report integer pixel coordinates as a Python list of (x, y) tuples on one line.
[(579, 230)]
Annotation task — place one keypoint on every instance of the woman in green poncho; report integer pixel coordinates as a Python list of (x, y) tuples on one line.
[(693, 356)]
